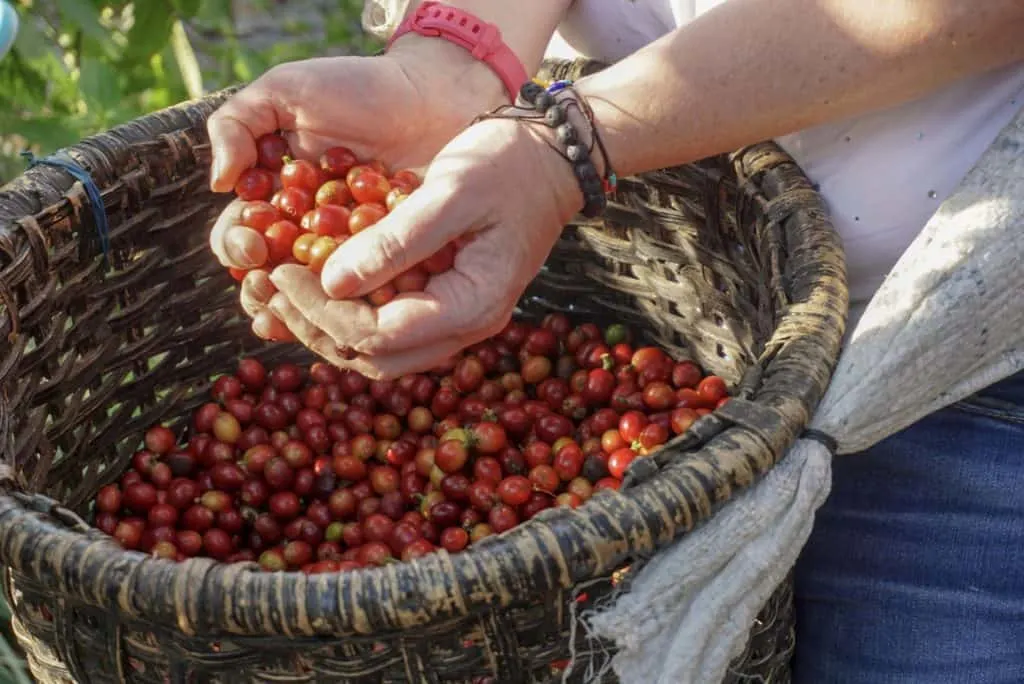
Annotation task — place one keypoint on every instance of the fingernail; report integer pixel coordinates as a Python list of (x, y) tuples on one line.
[(216, 171), (262, 290), (338, 282), (241, 256), (259, 326)]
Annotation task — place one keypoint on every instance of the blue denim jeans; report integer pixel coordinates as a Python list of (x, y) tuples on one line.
[(914, 573)]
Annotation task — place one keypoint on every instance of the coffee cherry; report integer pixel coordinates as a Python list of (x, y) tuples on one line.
[(255, 184), (108, 500), (271, 149), (159, 440), (139, 497), (337, 161)]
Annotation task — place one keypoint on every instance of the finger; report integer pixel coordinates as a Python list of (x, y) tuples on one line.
[(412, 361), (234, 128), (245, 247), (454, 305), (347, 322), (268, 327), (309, 335), (256, 292), (236, 245), (429, 219), (231, 216)]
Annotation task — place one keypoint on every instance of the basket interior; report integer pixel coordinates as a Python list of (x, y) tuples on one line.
[(101, 348), (702, 260)]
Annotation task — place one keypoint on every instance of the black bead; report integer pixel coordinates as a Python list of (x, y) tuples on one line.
[(543, 101), (554, 116), (592, 186), (566, 134), (530, 91), (585, 172), (577, 153), (594, 206)]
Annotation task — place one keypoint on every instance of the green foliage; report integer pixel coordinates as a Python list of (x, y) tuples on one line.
[(81, 66)]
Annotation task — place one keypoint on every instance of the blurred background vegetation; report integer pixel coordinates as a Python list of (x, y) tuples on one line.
[(81, 66)]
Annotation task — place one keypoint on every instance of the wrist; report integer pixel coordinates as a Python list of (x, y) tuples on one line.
[(570, 119), (478, 52), (553, 171), (607, 121), (563, 174), (575, 165), (585, 129), (454, 85)]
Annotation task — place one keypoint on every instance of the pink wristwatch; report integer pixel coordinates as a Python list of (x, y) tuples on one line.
[(482, 40)]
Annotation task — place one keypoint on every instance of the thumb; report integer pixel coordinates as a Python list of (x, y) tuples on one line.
[(430, 218), (234, 129)]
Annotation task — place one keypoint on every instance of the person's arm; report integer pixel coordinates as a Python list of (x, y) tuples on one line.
[(526, 27), (751, 70), (422, 83)]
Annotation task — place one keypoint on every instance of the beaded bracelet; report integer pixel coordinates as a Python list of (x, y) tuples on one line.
[(538, 104)]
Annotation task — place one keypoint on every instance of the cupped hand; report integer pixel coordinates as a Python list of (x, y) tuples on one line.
[(399, 108), (501, 193), (358, 102), (369, 104)]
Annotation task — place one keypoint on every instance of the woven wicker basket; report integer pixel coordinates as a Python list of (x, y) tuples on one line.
[(731, 262)]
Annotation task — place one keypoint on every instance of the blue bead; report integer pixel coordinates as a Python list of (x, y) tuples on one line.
[(559, 85)]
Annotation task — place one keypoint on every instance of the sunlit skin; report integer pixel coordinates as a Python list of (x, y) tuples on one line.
[(790, 65), (745, 71)]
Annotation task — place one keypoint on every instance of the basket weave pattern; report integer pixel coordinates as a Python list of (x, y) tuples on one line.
[(731, 262)]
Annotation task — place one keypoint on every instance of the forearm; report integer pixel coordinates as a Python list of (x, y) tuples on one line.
[(526, 27), (752, 70)]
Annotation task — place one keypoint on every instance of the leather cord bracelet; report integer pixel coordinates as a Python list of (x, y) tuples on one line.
[(551, 107)]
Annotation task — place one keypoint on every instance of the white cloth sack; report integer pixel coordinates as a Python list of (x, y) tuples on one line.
[(947, 322)]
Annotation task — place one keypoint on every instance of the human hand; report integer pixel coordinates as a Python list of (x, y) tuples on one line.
[(400, 108), (499, 191)]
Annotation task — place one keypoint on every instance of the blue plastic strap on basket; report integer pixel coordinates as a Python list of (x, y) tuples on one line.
[(99, 212)]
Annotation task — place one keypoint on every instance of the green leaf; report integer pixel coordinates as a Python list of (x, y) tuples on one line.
[(30, 41), (48, 132), (151, 30), (99, 83), (216, 12), (83, 14), (248, 64), (22, 86), (185, 57), (186, 9), (61, 91), (169, 88)]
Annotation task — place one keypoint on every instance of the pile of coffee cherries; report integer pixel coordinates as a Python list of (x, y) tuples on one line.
[(306, 210), (322, 470)]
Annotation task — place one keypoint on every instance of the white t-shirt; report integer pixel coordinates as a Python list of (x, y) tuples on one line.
[(883, 175)]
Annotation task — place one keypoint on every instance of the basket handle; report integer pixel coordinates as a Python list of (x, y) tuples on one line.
[(40, 503)]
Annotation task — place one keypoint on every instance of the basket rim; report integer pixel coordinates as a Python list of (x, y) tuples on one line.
[(550, 553)]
